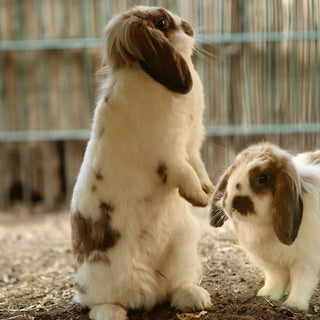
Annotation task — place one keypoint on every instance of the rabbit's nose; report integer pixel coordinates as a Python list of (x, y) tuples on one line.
[(187, 28), (243, 204)]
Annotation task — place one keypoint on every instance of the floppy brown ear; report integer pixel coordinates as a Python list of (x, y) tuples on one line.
[(217, 215), (129, 40), (160, 59), (287, 208)]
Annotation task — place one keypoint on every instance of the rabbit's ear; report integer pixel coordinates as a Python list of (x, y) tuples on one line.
[(129, 40), (158, 57), (217, 215), (287, 207)]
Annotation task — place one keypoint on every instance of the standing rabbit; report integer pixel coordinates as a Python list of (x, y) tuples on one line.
[(134, 238), (273, 199)]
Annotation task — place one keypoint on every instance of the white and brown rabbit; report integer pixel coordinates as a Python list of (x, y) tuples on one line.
[(273, 199), (134, 238)]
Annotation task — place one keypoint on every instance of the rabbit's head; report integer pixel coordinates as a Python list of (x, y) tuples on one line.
[(262, 186), (154, 39)]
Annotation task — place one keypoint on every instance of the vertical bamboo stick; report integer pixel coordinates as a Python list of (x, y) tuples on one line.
[(88, 74), (43, 72), (5, 174)]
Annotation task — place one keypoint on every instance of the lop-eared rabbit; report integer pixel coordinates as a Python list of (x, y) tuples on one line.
[(273, 199), (134, 238)]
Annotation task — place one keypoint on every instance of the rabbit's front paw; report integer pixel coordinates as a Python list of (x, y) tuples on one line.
[(275, 293), (276, 283), (207, 187), (197, 199), (190, 297)]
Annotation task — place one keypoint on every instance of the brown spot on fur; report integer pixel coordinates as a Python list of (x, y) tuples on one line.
[(145, 235), (243, 205), (238, 186), (99, 176), (101, 132), (80, 288), (256, 172), (94, 188), (89, 235), (81, 228), (162, 172), (152, 18), (106, 208), (99, 256)]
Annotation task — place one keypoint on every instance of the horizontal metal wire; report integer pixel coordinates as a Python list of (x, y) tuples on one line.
[(211, 131), (80, 43), (44, 135), (262, 129), (52, 44), (244, 37)]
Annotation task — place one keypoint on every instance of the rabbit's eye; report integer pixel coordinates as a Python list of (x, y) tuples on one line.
[(161, 24), (263, 178)]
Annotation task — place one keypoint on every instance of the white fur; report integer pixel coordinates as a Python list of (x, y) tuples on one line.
[(156, 258), (297, 264)]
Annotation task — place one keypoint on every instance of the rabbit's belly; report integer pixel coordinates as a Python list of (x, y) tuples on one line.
[(127, 282)]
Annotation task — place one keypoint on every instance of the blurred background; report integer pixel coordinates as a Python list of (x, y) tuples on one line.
[(259, 61)]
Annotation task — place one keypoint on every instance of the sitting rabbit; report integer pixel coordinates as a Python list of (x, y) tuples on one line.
[(134, 238), (273, 199)]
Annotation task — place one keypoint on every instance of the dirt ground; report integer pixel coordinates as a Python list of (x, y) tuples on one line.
[(36, 275)]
